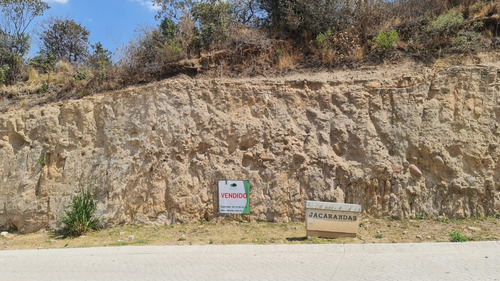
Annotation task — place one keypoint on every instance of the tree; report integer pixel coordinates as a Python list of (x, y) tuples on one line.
[(65, 40), (304, 17), (169, 29), (100, 59), (211, 19), (9, 60), (152, 50), (15, 18), (246, 12), (173, 9)]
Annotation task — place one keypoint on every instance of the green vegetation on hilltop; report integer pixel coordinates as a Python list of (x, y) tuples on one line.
[(238, 38)]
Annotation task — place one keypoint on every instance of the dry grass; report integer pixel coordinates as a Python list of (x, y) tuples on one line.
[(288, 58), (484, 9), (428, 230), (231, 232), (65, 82)]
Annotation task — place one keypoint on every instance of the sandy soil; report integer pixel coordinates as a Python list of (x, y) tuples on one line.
[(371, 230)]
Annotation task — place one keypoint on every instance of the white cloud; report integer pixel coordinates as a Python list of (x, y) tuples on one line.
[(145, 3), (56, 1)]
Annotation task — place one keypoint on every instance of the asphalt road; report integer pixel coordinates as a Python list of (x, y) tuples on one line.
[(424, 261)]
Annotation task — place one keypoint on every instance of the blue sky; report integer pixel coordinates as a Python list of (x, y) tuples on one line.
[(112, 22)]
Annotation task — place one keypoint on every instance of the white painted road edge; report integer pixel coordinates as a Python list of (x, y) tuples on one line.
[(420, 261)]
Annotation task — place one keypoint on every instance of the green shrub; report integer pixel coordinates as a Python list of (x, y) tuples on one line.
[(171, 51), (41, 160), (324, 40), (464, 42), (420, 217), (12, 50), (457, 236), (44, 88), (446, 22), (43, 62), (442, 219), (3, 73), (386, 39), (100, 59), (80, 216), (81, 75)]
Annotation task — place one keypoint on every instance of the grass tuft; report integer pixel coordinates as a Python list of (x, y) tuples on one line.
[(457, 236)]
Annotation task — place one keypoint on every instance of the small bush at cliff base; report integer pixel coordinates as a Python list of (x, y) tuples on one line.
[(79, 218)]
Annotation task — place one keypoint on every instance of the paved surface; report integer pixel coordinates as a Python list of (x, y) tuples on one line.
[(442, 261)]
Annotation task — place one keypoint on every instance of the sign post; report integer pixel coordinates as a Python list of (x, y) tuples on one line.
[(234, 197)]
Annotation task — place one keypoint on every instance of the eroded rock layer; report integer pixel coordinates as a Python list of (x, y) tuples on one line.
[(400, 145)]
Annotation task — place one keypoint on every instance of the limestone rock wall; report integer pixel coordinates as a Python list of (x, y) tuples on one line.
[(400, 145)]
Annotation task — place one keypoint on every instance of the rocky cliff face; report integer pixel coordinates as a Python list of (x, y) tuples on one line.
[(400, 145)]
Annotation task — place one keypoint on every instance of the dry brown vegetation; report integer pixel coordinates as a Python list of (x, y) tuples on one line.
[(213, 39), (233, 232)]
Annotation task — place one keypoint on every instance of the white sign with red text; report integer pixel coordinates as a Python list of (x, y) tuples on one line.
[(234, 197)]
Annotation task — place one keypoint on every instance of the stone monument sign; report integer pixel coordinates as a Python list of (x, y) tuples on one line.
[(331, 220)]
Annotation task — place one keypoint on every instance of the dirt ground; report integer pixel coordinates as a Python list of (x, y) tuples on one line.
[(371, 230)]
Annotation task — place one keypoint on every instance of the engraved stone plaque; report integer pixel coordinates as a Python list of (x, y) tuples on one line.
[(331, 220)]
